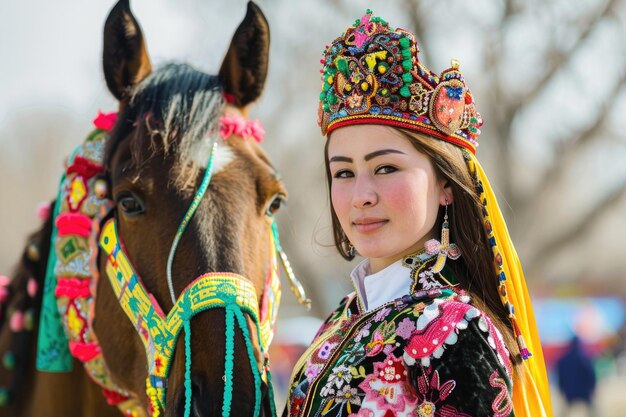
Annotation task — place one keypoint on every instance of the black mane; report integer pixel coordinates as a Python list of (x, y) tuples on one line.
[(172, 110)]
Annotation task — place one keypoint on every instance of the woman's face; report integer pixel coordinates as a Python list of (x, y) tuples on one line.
[(385, 193)]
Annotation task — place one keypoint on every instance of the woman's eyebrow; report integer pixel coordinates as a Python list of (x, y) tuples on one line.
[(374, 154), (340, 159), (367, 157)]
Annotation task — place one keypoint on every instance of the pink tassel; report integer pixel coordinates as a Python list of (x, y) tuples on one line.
[(17, 321), (105, 121), (43, 210), (73, 224), (84, 351), (32, 287), (4, 294), (4, 281)]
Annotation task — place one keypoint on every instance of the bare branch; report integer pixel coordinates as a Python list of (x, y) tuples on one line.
[(577, 230), (563, 58), (567, 151)]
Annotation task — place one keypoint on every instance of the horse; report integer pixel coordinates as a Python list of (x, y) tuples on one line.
[(183, 241)]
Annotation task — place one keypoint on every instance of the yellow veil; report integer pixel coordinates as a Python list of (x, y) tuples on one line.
[(531, 392)]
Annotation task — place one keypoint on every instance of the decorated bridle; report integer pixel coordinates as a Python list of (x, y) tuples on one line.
[(157, 331)]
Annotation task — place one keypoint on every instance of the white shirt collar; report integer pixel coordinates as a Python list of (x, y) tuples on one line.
[(374, 290)]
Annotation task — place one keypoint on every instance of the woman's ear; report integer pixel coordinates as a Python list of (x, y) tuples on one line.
[(445, 196)]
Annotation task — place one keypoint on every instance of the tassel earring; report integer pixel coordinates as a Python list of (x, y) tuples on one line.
[(443, 249), (351, 250)]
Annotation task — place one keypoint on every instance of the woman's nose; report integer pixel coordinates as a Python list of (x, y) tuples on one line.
[(365, 194)]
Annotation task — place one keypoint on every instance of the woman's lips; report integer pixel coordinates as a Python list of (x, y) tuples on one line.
[(368, 224)]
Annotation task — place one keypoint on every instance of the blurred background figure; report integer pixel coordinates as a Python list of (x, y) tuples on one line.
[(576, 378)]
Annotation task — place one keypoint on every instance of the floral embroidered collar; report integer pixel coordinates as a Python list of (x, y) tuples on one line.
[(405, 276)]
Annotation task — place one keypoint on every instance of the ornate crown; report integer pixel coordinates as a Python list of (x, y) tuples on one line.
[(372, 74)]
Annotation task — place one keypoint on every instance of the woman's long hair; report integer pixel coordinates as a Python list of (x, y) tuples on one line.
[(475, 269)]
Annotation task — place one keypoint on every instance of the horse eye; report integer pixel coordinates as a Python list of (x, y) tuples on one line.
[(274, 205), (130, 204)]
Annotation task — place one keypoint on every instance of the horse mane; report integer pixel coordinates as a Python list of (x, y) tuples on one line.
[(24, 298), (174, 110)]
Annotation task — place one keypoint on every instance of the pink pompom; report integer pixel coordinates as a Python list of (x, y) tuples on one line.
[(17, 321), (43, 210), (105, 121), (4, 281), (4, 294), (31, 287)]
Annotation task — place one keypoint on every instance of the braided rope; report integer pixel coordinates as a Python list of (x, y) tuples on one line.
[(183, 225), (229, 358), (243, 325), (188, 393)]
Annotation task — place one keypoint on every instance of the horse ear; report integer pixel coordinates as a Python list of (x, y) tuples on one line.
[(244, 68), (125, 58)]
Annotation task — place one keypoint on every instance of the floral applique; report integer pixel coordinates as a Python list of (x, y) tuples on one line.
[(431, 392), (405, 328), (364, 332), (326, 350), (383, 340), (428, 280), (340, 376), (502, 405), (495, 340), (298, 394), (437, 327), (387, 389), (346, 397), (380, 316)]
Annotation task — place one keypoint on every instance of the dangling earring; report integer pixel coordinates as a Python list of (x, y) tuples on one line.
[(351, 250), (443, 249)]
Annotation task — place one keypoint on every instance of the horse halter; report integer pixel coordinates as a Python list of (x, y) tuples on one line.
[(232, 292)]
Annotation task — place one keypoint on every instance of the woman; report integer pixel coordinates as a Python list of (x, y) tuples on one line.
[(430, 329)]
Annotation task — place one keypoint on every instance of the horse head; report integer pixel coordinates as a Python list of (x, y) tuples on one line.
[(176, 128)]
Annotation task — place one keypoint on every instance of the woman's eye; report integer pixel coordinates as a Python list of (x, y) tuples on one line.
[(343, 174), (386, 169), (130, 204), (274, 205)]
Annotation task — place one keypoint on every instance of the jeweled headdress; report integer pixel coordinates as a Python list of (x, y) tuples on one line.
[(372, 74)]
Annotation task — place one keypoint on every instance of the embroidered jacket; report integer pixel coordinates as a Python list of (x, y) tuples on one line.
[(428, 354)]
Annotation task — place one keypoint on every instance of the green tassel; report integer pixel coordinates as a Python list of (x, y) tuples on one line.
[(243, 325), (405, 42), (188, 392), (4, 397), (404, 91), (270, 389), (407, 77), (407, 64), (229, 358), (332, 99), (8, 360)]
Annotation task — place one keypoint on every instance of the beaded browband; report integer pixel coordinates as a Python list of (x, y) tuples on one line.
[(372, 74)]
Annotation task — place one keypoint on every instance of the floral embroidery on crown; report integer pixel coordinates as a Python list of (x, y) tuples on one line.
[(372, 74)]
